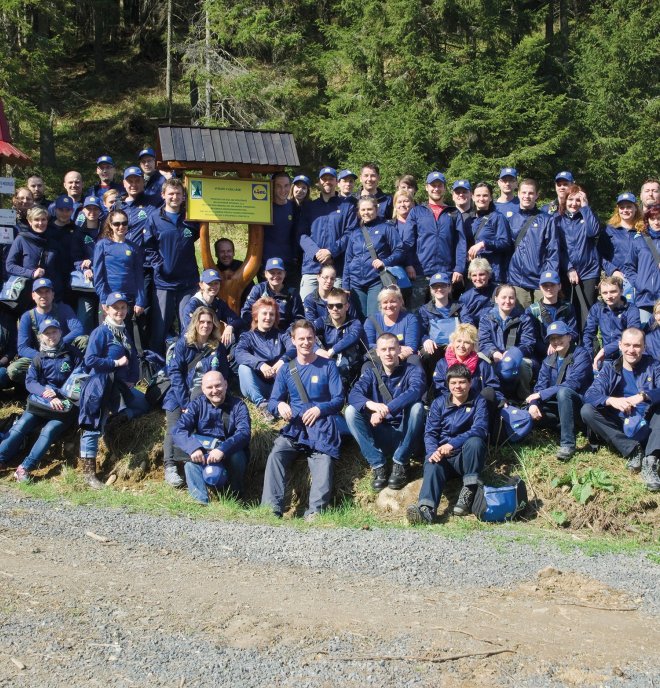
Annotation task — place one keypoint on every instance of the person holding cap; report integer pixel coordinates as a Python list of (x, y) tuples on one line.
[(563, 379), (50, 368), (153, 179), (563, 180), (214, 436), (105, 170), (461, 194), (369, 180), (346, 183), (300, 190), (111, 361), (507, 203), (434, 241), (621, 407)]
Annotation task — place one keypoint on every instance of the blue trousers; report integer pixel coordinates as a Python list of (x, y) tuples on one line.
[(235, 464), (366, 299), (565, 410), (253, 386), (168, 303), (607, 424)]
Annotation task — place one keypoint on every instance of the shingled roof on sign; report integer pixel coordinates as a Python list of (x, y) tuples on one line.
[(191, 147)]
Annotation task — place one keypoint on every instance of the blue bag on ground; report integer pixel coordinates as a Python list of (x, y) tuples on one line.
[(502, 503)]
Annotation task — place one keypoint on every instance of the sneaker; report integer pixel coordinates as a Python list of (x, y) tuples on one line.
[(649, 473), (310, 518), (379, 480), (172, 477), (398, 477), (463, 504), (634, 462), (419, 515), (565, 453), (21, 475), (268, 416)]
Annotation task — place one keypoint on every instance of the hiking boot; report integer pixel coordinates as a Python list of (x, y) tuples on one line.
[(268, 416), (419, 515), (89, 473), (565, 453), (463, 504), (649, 473), (172, 477), (398, 477), (635, 459), (379, 480), (21, 475)]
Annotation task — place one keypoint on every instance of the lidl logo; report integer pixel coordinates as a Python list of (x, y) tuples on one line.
[(259, 192)]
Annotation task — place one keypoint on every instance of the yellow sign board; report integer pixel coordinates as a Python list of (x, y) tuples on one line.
[(219, 199)]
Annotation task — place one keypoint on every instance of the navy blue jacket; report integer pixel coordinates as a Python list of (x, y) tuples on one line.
[(652, 341), (288, 302), (610, 383), (614, 247), (218, 306), (28, 340), (98, 190), (407, 385), (492, 228), (476, 303), (324, 388), (153, 188), (578, 375), (579, 240), (447, 423), (493, 332), (484, 376), (254, 348), (52, 372), (385, 202), (429, 312), (358, 271), (138, 211), (611, 322), (83, 243), (280, 237), (562, 310), (406, 329), (118, 266), (203, 418), (61, 236), (349, 336), (538, 251), (434, 246), (315, 307), (31, 251), (641, 269)]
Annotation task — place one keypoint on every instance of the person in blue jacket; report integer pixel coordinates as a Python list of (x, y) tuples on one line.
[(315, 304), (385, 413), (578, 230), (48, 372), (563, 180), (362, 272), (478, 299), (652, 332), (610, 316), (345, 184), (455, 442), (535, 245), (341, 337), (260, 353), (322, 231), (287, 298), (280, 238), (218, 419), (487, 233), (621, 407), (508, 204), (563, 379), (138, 206), (369, 181), (61, 229), (642, 267), (153, 179), (301, 188), (7, 346), (169, 242), (105, 170), (308, 395), (506, 326), (112, 364), (434, 240), (197, 351)]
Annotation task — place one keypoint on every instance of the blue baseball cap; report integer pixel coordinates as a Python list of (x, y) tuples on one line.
[(626, 196), (49, 322), (105, 160), (92, 200), (565, 175), (508, 172), (509, 366), (114, 297), (42, 283), (64, 203), (346, 173), (328, 170), (274, 264), (146, 151), (549, 277), (634, 424), (439, 278), (461, 184), (133, 171), (302, 178), (557, 328), (215, 475), (435, 177), (211, 275)]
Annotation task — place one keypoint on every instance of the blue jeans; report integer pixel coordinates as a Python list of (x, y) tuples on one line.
[(254, 387), (4, 379), (419, 293), (235, 465), (26, 424), (366, 299), (376, 442), (466, 462), (88, 311), (168, 303), (565, 409)]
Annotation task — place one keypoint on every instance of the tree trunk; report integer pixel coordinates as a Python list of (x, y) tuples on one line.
[(168, 67), (99, 52), (207, 86), (46, 135)]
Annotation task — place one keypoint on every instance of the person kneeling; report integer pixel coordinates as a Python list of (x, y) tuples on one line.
[(386, 413), (214, 430), (455, 439)]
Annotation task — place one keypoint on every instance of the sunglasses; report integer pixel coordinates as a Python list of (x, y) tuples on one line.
[(334, 306), (123, 223)]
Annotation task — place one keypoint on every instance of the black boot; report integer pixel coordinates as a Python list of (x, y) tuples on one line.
[(398, 478), (89, 473), (463, 504), (379, 480)]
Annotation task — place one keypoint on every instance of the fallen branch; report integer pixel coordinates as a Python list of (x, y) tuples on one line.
[(94, 536), (592, 606), (415, 658), (456, 630)]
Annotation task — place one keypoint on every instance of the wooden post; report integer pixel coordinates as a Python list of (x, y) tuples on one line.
[(233, 287)]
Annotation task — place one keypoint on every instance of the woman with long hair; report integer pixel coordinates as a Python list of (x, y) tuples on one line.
[(643, 265)]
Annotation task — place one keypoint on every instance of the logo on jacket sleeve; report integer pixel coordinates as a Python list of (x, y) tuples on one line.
[(187, 233)]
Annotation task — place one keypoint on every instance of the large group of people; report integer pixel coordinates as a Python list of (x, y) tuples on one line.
[(407, 325)]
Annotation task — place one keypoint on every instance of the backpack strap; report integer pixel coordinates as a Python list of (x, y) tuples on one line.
[(454, 308), (295, 375), (369, 243), (382, 387), (545, 315), (652, 247), (33, 322), (523, 232), (512, 333), (561, 374), (482, 224)]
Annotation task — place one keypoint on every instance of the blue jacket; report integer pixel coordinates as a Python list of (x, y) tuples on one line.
[(218, 306), (324, 388), (288, 301), (579, 240), (434, 246), (186, 380), (642, 270), (254, 348), (538, 251), (52, 372), (325, 225), (610, 383), (447, 423), (98, 190), (31, 251), (611, 322), (170, 251), (118, 266), (83, 243), (578, 375), (349, 336), (28, 328), (138, 211), (358, 271), (614, 247), (562, 310), (61, 237), (508, 208), (493, 333), (429, 313), (407, 385), (406, 329), (652, 342), (551, 208), (483, 377), (280, 237), (315, 307), (476, 303), (203, 418), (385, 202), (492, 228), (153, 188)]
